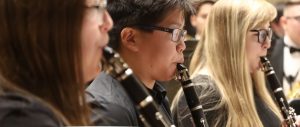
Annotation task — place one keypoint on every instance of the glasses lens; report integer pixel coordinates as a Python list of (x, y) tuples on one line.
[(262, 36), (270, 34), (183, 34), (176, 35), (103, 3)]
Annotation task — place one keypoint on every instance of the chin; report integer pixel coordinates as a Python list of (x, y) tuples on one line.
[(167, 78), (254, 69)]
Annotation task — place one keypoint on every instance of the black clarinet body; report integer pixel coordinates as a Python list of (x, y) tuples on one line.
[(149, 111), (288, 112), (191, 96)]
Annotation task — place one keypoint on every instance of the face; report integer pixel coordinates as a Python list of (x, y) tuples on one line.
[(94, 36), (291, 24), (257, 44), (198, 21), (158, 53)]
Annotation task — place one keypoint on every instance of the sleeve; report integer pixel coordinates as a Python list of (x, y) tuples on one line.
[(105, 114), (28, 118), (208, 97), (181, 113)]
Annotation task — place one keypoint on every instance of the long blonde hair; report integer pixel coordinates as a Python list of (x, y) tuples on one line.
[(223, 52)]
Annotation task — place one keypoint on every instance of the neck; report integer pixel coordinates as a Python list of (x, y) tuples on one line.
[(288, 41)]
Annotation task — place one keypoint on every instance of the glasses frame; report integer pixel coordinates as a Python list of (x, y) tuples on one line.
[(260, 40), (181, 36), (100, 5)]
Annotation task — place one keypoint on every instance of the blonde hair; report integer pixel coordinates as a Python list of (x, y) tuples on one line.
[(223, 52)]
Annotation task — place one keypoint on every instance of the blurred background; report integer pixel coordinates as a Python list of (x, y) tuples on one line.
[(274, 1)]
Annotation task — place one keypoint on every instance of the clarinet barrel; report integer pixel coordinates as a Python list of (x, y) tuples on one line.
[(288, 112), (149, 111), (191, 96)]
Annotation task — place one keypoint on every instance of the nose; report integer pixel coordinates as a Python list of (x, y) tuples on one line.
[(180, 47), (267, 43), (107, 22)]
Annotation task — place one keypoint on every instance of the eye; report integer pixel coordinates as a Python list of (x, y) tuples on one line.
[(263, 35)]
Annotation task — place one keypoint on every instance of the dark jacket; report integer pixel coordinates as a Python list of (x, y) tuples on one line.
[(107, 92), (20, 111), (276, 59)]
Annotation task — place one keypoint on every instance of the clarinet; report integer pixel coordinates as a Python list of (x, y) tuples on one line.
[(191, 96), (149, 111), (288, 112)]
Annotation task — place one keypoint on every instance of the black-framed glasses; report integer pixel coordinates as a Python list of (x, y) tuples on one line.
[(100, 5), (177, 34), (262, 34), (294, 17)]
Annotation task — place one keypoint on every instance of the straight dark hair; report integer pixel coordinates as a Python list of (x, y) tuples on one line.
[(40, 54), (140, 12)]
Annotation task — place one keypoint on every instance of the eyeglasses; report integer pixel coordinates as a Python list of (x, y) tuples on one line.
[(262, 34), (294, 17), (177, 34), (100, 5)]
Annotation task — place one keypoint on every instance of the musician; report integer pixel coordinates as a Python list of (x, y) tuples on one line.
[(198, 19), (149, 37), (227, 73), (285, 57), (49, 49)]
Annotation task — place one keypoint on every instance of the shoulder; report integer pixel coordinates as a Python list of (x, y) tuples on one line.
[(102, 83), (205, 89), (16, 111), (104, 114), (204, 84), (208, 96), (108, 95), (105, 89)]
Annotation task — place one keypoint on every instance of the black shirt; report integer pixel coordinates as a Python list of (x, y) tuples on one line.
[(108, 93), (159, 94)]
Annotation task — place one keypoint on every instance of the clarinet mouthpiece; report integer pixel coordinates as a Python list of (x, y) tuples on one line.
[(180, 67), (263, 59)]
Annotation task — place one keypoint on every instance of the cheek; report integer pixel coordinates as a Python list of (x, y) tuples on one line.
[(252, 50), (91, 55), (90, 61)]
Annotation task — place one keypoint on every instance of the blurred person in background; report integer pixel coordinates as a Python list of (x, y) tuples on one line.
[(276, 26), (285, 56)]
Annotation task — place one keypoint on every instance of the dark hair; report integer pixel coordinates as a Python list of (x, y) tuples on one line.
[(292, 2), (40, 53), (279, 7), (133, 12)]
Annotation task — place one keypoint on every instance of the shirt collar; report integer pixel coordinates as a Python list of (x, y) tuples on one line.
[(158, 92)]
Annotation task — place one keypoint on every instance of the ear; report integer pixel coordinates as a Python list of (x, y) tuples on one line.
[(128, 39), (193, 20), (283, 21)]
